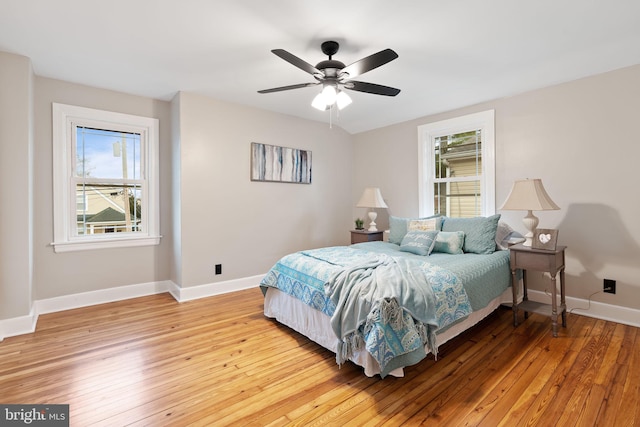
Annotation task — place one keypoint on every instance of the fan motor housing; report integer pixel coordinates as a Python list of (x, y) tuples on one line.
[(330, 67)]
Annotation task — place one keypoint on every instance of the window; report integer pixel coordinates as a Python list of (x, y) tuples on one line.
[(105, 179), (457, 166)]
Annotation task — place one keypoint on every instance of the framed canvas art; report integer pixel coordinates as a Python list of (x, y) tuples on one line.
[(545, 238), (280, 164)]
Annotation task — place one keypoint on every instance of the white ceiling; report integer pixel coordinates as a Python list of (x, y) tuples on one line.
[(452, 53)]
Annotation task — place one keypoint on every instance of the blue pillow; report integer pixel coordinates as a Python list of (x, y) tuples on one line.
[(398, 227), (419, 242), (479, 232), (449, 242)]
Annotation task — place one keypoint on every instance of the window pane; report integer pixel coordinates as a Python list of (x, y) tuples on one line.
[(107, 154), (458, 199), (458, 155), (104, 209)]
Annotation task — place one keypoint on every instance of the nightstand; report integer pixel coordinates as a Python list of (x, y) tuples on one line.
[(550, 261), (360, 236)]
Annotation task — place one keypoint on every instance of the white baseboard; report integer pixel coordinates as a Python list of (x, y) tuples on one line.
[(18, 325), (211, 289), (598, 310), (102, 296), (27, 324)]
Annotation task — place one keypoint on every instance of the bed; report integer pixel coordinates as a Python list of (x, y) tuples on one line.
[(385, 305)]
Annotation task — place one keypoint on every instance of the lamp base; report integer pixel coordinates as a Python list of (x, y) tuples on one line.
[(530, 223), (372, 225)]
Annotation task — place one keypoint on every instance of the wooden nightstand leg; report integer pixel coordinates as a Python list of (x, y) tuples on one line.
[(514, 289), (525, 294), (562, 299), (554, 306)]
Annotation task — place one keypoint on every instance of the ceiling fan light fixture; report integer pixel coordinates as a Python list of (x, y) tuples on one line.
[(329, 94), (343, 100), (319, 103)]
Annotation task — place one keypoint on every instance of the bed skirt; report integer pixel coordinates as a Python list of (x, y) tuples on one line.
[(316, 326)]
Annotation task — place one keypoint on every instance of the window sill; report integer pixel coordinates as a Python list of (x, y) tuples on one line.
[(126, 242)]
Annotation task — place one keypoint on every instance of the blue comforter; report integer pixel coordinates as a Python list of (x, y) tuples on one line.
[(390, 305)]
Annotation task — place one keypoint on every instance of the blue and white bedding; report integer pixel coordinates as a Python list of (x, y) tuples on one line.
[(388, 301)]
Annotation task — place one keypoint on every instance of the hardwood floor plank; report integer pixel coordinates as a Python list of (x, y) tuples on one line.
[(569, 401), (553, 353), (629, 413), (218, 361)]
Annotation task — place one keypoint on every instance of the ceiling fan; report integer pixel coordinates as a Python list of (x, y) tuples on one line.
[(334, 75)]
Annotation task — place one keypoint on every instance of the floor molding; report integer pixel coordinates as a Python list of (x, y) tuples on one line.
[(27, 324), (596, 309), (217, 288)]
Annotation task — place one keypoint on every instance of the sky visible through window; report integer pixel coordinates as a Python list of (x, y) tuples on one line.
[(101, 154)]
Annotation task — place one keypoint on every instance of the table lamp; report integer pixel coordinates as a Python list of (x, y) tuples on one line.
[(371, 198), (529, 195)]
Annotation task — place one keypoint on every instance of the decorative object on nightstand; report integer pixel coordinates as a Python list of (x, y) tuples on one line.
[(361, 236), (549, 261), (359, 224), (372, 198), (529, 195), (545, 238)]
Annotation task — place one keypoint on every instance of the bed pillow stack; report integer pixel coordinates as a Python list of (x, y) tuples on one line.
[(444, 234), (479, 232)]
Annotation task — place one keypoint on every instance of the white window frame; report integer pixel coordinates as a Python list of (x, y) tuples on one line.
[(65, 119), (485, 121)]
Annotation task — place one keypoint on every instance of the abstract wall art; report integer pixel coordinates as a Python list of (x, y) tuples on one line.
[(280, 164)]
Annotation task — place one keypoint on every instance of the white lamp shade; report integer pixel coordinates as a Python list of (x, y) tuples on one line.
[(319, 103), (329, 94), (371, 198), (343, 100), (529, 195)]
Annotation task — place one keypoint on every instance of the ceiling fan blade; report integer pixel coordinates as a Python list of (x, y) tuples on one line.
[(368, 63), (292, 59), (280, 89), (371, 88)]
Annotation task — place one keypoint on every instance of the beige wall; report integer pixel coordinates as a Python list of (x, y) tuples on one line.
[(225, 218), (16, 166), (68, 273), (581, 139)]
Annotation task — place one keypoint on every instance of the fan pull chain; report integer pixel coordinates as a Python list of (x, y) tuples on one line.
[(331, 117)]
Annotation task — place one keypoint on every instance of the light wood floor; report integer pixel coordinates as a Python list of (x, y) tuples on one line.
[(219, 361)]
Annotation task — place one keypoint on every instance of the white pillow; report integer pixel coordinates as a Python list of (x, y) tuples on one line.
[(431, 224)]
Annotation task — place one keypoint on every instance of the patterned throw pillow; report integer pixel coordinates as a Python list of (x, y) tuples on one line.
[(419, 242), (424, 224), (479, 232), (449, 242)]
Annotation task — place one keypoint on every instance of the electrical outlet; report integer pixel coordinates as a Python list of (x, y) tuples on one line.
[(218, 268), (609, 286)]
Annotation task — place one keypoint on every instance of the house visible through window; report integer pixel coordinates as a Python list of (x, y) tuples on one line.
[(457, 172), (458, 168), (105, 179), (108, 177)]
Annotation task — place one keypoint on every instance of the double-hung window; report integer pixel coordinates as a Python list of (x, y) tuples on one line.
[(457, 166), (105, 179)]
